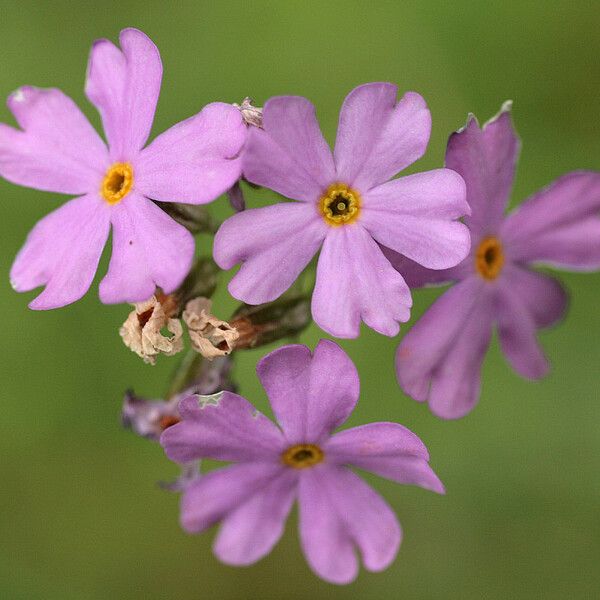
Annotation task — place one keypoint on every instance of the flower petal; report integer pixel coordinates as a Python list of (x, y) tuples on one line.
[(289, 155), (543, 297), (387, 449), (228, 428), (486, 158), (517, 333), (275, 243), (415, 216), (217, 493), (559, 225), (325, 540), (441, 336), (456, 382), (196, 160), (57, 149), (375, 439), (149, 249), (378, 137), (355, 281), (339, 510), (62, 252), (124, 87), (251, 530), (310, 395)]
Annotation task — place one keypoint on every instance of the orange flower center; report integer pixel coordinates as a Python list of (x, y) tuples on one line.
[(340, 205), (489, 258), (117, 183), (302, 456)]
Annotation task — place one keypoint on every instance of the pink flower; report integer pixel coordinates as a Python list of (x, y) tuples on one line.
[(57, 150), (311, 395), (439, 360), (345, 209)]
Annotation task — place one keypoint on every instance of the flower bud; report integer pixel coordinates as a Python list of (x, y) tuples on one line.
[(266, 323)]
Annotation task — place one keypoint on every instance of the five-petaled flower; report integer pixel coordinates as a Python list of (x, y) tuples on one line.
[(311, 395), (57, 150), (440, 359), (345, 206)]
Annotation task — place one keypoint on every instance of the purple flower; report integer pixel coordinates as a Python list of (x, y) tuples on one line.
[(440, 359), (57, 150), (311, 395), (346, 207)]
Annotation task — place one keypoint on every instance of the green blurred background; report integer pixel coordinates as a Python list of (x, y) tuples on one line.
[(81, 516)]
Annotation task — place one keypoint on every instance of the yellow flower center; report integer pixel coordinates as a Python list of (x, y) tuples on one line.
[(302, 456), (340, 205), (489, 258), (117, 182)]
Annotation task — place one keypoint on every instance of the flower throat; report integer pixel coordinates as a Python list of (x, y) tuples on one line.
[(489, 258), (340, 205)]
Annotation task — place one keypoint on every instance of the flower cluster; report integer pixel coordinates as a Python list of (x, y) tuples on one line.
[(377, 236)]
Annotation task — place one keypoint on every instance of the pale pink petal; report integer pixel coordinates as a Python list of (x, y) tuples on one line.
[(543, 297), (311, 395), (387, 449), (453, 333), (274, 244), (105, 88), (355, 281), (338, 510), (124, 86), (149, 249), (416, 216), (228, 428), (559, 226), (325, 539), (456, 381), (250, 531), (375, 439), (57, 149), (217, 493), (486, 158), (62, 252), (378, 137), (196, 160), (289, 155), (517, 333)]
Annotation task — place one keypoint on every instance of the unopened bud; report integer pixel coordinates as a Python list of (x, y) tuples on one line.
[(201, 281), (266, 323), (236, 197), (149, 418), (194, 217)]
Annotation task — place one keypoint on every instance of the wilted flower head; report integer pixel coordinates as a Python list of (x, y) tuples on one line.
[(210, 336), (311, 395), (142, 332), (440, 359), (345, 208), (251, 114), (57, 150)]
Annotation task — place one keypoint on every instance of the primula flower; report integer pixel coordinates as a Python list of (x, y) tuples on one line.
[(57, 150), (440, 359), (311, 395), (346, 207)]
